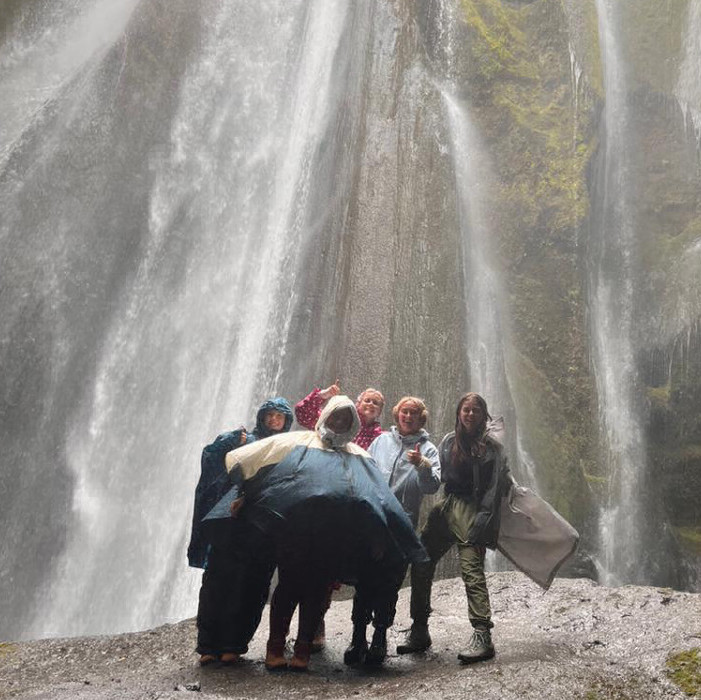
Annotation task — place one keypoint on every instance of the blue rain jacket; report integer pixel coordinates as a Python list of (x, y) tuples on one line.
[(299, 483), (214, 480)]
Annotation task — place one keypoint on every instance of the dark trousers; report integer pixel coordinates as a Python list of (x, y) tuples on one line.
[(298, 586), (234, 591), (377, 591)]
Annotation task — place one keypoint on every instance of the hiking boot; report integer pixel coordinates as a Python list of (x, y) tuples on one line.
[(206, 659), (417, 640), (275, 655), (479, 649), (229, 657), (300, 660), (358, 648), (377, 652)]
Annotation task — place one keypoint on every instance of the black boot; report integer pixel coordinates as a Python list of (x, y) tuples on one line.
[(417, 640), (479, 649), (358, 648), (377, 652)]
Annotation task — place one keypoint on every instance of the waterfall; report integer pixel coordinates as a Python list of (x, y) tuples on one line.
[(192, 334), (611, 309), (485, 306), (688, 88)]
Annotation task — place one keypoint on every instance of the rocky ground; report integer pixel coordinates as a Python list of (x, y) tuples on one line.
[(579, 640)]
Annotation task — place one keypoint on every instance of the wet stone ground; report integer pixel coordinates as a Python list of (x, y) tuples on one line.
[(579, 640)]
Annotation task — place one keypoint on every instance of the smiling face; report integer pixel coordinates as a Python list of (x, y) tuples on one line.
[(370, 405), (471, 416), (274, 421), (409, 419)]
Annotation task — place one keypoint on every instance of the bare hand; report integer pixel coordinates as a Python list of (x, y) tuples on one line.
[(243, 439), (330, 391), (414, 456), (235, 506)]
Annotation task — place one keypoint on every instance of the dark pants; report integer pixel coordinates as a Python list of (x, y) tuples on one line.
[(377, 590), (298, 586), (234, 591)]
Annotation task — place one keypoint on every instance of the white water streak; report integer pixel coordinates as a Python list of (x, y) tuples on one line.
[(240, 165), (688, 88), (612, 312)]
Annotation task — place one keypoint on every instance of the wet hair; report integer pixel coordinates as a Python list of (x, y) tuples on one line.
[(371, 390), (423, 415), (467, 446)]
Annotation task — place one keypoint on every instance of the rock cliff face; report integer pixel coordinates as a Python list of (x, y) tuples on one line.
[(428, 197)]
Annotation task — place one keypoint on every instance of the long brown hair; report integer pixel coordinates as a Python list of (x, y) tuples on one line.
[(467, 447)]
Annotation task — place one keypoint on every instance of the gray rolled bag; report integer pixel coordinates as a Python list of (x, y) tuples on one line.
[(533, 536)]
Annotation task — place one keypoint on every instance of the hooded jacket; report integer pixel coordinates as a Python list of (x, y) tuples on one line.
[(491, 480), (321, 483), (308, 410), (522, 526), (214, 480), (409, 483)]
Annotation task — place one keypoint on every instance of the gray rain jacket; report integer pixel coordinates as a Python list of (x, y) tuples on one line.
[(409, 483), (527, 530)]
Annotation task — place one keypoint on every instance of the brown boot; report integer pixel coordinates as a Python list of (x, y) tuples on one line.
[(206, 659), (229, 657), (300, 660), (275, 655)]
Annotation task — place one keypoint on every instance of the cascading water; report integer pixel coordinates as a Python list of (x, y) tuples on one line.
[(193, 333), (611, 308), (487, 335), (688, 89), (191, 221)]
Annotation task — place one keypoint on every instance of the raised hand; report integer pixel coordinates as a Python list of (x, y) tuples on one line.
[(330, 391)]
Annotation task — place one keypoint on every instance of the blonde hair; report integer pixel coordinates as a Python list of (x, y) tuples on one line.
[(419, 404), (371, 390)]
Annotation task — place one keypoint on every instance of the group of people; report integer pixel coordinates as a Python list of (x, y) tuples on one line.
[(339, 502)]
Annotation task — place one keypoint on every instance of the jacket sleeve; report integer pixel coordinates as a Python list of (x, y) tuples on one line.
[(308, 410), (429, 470), (506, 478), (245, 462)]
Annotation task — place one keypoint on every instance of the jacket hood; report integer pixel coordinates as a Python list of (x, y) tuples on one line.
[(495, 430), (275, 404), (412, 439), (327, 435)]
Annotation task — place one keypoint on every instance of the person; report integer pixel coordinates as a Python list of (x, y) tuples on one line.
[(323, 504), (369, 405), (475, 475), (219, 619), (410, 465)]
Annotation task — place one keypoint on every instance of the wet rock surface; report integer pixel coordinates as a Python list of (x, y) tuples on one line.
[(579, 640)]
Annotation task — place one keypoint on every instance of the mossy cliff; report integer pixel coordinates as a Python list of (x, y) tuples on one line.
[(535, 106), (532, 73)]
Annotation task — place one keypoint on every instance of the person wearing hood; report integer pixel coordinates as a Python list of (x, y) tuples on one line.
[(321, 501), (410, 465), (476, 477), (369, 405), (220, 557)]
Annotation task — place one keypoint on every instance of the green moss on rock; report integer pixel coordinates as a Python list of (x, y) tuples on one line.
[(684, 669)]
